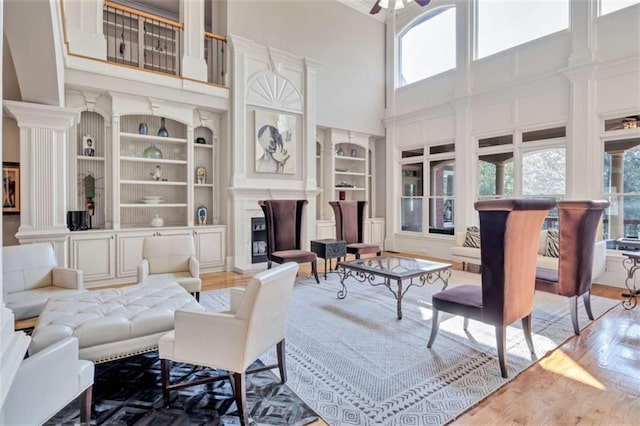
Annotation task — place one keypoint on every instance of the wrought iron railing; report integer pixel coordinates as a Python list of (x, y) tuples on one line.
[(141, 40), (215, 48)]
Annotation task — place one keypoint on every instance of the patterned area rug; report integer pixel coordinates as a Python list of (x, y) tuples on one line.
[(356, 364), (128, 392)]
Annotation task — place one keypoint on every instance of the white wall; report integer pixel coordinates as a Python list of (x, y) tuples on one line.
[(348, 45)]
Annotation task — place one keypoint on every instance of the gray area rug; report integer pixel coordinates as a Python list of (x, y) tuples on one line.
[(354, 363)]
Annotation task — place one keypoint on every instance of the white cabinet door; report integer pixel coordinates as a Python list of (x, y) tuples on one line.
[(94, 254), (374, 231), (210, 246)]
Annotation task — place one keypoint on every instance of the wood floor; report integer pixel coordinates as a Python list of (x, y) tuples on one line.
[(593, 378)]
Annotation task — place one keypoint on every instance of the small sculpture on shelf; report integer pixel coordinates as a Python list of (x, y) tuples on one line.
[(201, 175), (143, 129), (202, 215), (157, 221), (157, 174), (201, 141), (89, 183)]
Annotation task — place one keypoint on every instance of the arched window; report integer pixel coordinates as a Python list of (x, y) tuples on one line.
[(504, 24), (608, 6), (428, 47)]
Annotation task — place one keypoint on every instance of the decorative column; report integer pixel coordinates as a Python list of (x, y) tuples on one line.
[(83, 20), (43, 172), (192, 16)]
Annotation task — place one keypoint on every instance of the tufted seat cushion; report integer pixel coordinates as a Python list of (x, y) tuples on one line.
[(112, 323)]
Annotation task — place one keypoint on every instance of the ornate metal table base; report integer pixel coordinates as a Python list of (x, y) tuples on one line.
[(417, 278), (631, 264)]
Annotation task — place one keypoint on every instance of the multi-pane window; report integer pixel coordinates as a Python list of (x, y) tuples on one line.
[(428, 183), (622, 188), (501, 25), (428, 47)]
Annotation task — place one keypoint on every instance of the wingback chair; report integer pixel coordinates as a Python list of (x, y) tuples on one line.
[(46, 382), (284, 227), (234, 339), (31, 275), (580, 260), (509, 232), (350, 216), (171, 257)]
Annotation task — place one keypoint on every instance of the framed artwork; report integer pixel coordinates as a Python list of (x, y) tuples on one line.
[(88, 146), (275, 143), (10, 188)]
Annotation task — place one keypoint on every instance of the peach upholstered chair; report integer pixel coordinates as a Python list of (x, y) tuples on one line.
[(284, 227), (509, 232), (350, 216), (578, 261)]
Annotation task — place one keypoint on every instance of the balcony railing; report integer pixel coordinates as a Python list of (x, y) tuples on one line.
[(141, 40), (215, 47)]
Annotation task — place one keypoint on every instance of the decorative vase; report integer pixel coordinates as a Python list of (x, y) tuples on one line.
[(202, 215), (340, 151), (201, 140), (162, 131), (354, 153), (152, 152), (143, 129), (157, 221)]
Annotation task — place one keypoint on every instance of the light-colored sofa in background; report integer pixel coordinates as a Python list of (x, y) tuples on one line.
[(31, 276), (470, 255)]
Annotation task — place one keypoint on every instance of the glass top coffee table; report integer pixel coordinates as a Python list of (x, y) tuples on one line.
[(390, 268)]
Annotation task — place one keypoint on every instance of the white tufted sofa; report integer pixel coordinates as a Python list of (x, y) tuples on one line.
[(112, 323)]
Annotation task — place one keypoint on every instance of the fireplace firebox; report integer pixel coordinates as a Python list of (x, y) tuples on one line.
[(258, 240)]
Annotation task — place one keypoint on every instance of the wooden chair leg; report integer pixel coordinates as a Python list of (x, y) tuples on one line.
[(85, 406), (268, 264), (314, 269), (586, 298), (165, 367), (357, 256), (526, 328), (197, 296), (240, 388), (434, 328), (573, 310), (501, 342), (282, 367)]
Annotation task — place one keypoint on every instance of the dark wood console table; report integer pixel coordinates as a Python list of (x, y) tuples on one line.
[(631, 264), (328, 249)]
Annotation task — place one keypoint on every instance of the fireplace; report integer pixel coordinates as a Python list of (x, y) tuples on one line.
[(258, 240)]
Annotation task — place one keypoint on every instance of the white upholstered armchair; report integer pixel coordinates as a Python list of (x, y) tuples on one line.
[(233, 340), (46, 382), (171, 257), (31, 275)]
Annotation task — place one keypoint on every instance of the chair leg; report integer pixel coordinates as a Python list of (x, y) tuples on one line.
[(501, 342), (573, 310), (434, 328), (526, 328), (268, 264), (164, 373), (240, 388), (282, 367), (314, 269), (587, 304), (85, 406), (197, 296), (465, 325), (357, 256)]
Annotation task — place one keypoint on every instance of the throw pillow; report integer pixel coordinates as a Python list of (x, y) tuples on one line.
[(472, 238), (553, 243)]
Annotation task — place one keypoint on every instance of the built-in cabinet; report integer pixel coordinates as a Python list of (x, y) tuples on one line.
[(107, 257)]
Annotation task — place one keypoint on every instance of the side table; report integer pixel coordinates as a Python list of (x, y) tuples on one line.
[(631, 264), (328, 249)]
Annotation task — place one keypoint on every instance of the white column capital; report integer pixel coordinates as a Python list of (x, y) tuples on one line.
[(29, 115)]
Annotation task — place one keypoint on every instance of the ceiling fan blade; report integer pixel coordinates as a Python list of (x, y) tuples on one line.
[(423, 2), (376, 8)]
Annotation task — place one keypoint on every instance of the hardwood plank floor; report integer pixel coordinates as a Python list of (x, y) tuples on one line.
[(593, 378)]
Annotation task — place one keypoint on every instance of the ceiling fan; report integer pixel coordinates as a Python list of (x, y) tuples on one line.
[(395, 5)]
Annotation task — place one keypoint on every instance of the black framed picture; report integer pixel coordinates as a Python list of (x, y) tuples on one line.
[(10, 188)]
